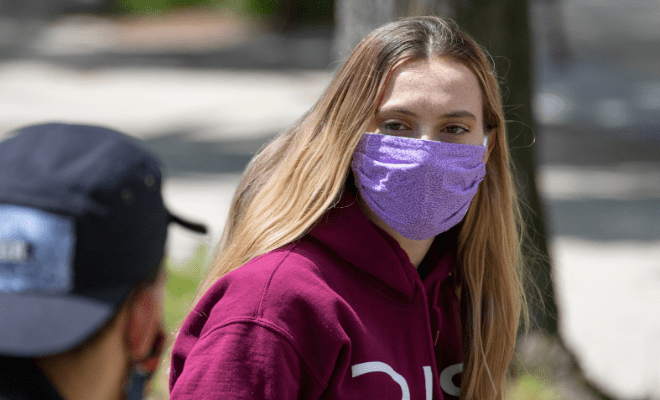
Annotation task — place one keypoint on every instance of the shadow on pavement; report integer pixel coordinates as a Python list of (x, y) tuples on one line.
[(606, 219), (596, 147), (182, 155)]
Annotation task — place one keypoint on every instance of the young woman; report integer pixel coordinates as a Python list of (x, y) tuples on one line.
[(372, 251)]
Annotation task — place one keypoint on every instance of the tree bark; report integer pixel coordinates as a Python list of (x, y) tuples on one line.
[(356, 18)]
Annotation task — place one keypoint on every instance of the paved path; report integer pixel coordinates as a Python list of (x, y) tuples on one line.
[(606, 251)]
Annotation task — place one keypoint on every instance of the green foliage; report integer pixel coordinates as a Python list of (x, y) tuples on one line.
[(305, 10), (261, 7), (317, 10), (181, 287), (157, 6), (531, 387), (258, 7)]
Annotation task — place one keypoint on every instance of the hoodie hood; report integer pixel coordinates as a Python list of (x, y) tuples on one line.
[(382, 258)]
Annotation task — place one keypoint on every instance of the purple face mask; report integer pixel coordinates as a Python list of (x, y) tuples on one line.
[(420, 188)]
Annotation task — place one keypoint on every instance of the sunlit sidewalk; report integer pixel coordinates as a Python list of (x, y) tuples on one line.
[(609, 290), (148, 102)]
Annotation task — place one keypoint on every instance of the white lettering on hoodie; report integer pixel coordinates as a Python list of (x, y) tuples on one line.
[(446, 376)]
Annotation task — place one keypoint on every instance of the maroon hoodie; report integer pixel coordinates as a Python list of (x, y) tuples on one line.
[(338, 314)]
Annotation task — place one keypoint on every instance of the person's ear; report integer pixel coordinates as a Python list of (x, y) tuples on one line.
[(144, 320)]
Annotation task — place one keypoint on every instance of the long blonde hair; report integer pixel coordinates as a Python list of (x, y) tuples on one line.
[(291, 182)]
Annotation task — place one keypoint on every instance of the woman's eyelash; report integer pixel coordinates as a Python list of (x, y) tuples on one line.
[(451, 128), (394, 125)]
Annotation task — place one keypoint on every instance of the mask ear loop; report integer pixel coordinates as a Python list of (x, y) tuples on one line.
[(488, 150)]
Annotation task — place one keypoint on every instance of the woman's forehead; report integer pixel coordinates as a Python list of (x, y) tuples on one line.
[(440, 80)]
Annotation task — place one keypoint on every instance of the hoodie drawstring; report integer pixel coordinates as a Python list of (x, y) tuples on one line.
[(436, 314)]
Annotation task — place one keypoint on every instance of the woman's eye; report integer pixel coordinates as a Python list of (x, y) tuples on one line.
[(394, 126), (455, 129)]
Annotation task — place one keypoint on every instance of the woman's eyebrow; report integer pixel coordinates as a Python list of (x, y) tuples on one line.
[(396, 110), (452, 114), (460, 114)]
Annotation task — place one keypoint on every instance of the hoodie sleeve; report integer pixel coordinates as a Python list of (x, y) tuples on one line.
[(246, 359)]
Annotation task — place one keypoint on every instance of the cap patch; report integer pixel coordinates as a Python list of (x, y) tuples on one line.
[(36, 251), (16, 251)]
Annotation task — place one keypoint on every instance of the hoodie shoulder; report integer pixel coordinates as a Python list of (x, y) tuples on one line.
[(284, 282), (291, 291)]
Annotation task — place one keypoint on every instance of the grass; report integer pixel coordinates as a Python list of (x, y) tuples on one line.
[(180, 289), (528, 387)]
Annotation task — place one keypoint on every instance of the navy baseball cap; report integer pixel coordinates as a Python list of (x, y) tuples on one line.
[(82, 223)]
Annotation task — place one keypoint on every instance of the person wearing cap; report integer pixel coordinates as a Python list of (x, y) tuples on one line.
[(82, 235)]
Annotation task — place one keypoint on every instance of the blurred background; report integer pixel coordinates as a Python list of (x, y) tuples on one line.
[(205, 83)]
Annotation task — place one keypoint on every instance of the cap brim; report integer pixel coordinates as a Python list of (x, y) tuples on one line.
[(38, 325), (199, 228)]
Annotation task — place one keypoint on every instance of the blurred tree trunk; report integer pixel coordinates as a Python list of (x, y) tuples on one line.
[(356, 18), (558, 50)]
